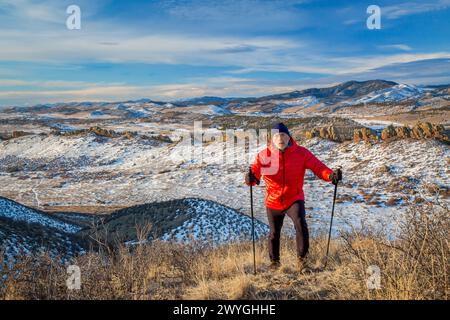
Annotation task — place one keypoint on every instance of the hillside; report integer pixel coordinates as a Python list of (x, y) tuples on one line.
[(28, 231), (24, 230), (185, 221), (412, 266)]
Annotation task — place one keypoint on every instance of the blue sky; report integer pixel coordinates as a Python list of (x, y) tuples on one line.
[(176, 49)]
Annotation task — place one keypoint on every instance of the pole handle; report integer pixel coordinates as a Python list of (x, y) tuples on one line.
[(339, 173)]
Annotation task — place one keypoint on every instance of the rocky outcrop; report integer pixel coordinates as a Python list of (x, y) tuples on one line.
[(101, 132), (13, 135), (319, 132), (403, 132), (388, 133), (364, 134), (334, 133), (422, 130)]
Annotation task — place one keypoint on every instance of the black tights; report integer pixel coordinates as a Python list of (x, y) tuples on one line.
[(297, 213)]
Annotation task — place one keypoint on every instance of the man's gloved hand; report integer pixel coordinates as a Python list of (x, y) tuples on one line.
[(250, 178), (336, 176)]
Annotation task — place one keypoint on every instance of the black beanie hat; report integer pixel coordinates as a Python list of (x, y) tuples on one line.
[(281, 128)]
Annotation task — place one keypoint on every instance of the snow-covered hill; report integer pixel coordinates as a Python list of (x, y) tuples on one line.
[(321, 100), (187, 220), (12, 210), (210, 222), (25, 231), (299, 103), (396, 93), (208, 109)]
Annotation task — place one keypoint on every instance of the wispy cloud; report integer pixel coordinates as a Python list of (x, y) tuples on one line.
[(51, 84), (29, 13), (393, 11), (242, 15), (10, 82), (213, 86), (26, 10), (409, 8), (365, 64), (400, 46), (158, 48)]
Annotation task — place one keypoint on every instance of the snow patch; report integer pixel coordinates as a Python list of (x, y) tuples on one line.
[(396, 93), (12, 210), (212, 223)]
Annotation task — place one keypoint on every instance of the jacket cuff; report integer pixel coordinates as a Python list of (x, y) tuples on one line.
[(327, 173)]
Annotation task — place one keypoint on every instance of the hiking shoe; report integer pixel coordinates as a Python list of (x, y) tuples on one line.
[(275, 265)]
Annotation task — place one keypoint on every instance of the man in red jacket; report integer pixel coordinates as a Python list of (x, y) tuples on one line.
[(284, 188)]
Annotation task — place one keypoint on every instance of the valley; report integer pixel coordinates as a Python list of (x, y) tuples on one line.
[(84, 160)]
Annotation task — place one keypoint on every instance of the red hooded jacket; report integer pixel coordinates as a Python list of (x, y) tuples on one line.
[(285, 185)]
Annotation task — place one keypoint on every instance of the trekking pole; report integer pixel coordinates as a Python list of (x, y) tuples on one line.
[(253, 221), (332, 215)]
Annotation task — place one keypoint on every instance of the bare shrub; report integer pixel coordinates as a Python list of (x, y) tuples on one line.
[(414, 265)]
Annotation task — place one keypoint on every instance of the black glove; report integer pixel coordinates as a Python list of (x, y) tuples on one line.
[(250, 178), (336, 176)]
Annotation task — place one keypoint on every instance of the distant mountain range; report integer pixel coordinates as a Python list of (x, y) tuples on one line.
[(323, 100)]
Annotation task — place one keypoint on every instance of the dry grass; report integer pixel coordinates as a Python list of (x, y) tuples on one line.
[(414, 266), (104, 209)]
